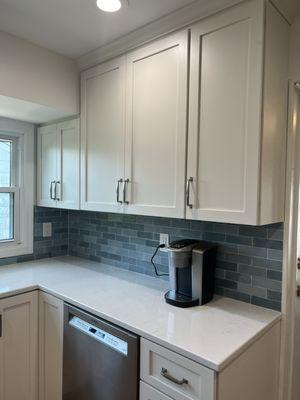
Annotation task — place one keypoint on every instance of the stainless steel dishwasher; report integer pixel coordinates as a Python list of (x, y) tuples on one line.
[(100, 360)]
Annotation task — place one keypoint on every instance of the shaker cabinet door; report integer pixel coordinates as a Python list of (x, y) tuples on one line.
[(68, 164), (18, 347), (102, 136), (46, 165), (156, 116), (225, 116), (50, 347)]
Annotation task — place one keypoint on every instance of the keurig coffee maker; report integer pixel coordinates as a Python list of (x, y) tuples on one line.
[(191, 272)]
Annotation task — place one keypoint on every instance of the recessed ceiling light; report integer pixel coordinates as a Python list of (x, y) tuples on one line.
[(109, 5)]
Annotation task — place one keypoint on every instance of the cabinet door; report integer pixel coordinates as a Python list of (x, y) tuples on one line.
[(225, 115), (46, 165), (156, 118), (18, 347), (50, 347), (102, 136), (68, 164)]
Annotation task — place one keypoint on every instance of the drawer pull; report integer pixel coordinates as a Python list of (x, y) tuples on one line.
[(165, 374)]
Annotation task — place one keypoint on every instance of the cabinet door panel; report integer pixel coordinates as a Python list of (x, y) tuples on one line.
[(156, 127), (225, 116), (68, 164), (46, 164), (102, 133), (50, 347), (18, 347)]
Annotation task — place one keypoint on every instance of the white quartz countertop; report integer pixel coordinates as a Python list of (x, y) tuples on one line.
[(212, 335)]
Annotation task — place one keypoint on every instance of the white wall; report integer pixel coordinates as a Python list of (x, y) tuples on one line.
[(295, 50), (34, 74)]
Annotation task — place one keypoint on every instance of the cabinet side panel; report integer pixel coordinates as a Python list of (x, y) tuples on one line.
[(253, 375), (274, 117)]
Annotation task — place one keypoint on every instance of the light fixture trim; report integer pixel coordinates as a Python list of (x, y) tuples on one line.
[(109, 5)]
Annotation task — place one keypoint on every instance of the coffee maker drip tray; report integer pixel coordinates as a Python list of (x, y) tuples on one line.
[(180, 300)]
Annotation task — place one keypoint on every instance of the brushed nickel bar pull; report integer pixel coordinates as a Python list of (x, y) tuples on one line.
[(124, 191), (118, 191), (188, 188), (165, 374), (55, 191), (51, 190)]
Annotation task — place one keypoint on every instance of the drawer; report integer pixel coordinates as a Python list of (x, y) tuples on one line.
[(149, 393), (174, 375)]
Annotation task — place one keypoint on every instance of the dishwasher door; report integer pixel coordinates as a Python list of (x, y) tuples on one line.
[(100, 360)]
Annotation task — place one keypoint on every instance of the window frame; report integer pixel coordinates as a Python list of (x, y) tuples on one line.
[(22, 186), (14, 187)]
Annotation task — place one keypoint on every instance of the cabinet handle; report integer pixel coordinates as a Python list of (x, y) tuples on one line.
[(0, 325), (165, 374), (118, 191), (51, 190), (55, 191), (188, 188), (124, 191)]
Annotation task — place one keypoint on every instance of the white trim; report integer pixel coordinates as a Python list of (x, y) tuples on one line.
[(290, 246), (24, 212), (154, 30)]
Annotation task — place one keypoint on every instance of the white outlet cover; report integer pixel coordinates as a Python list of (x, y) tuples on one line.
[(164, 239), (47, 229)]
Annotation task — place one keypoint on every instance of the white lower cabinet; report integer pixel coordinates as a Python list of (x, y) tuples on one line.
[(50, 347), (149, 393), (18, 347), (175, 375), (254, 374), (31, 360)]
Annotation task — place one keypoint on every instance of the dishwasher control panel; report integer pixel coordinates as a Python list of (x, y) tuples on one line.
[(98, 334)]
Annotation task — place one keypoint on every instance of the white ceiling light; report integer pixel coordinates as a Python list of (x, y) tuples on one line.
[(109, 5)]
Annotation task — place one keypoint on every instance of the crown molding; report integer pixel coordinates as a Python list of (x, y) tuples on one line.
[(167, 24)]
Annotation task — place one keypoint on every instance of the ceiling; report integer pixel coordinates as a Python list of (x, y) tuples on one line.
[(75, 27), (290, 8)]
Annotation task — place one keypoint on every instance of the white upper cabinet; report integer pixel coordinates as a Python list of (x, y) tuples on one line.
[(237, 116), (138, 115), (46, 165), (156, 119), (103, 136), (58, 165)]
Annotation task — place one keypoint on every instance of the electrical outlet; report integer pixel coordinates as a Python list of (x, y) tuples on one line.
[(164, 239), (47, 229)]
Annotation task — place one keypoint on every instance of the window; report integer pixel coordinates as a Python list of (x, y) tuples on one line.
[(9, 190), (16, 188)]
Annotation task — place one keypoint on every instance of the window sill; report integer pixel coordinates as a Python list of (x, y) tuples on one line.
[(15, 249)]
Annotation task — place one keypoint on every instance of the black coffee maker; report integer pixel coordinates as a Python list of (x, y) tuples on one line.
[(191, 272)]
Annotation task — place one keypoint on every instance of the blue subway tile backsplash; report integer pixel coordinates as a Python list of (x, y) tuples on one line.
[(249, 259)]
